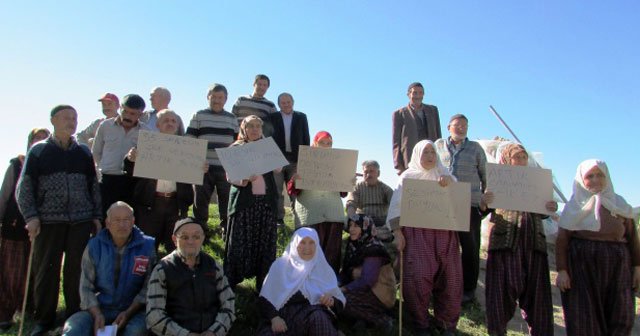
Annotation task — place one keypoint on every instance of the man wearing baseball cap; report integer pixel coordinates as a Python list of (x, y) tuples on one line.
[(114, 138), (110, 104)]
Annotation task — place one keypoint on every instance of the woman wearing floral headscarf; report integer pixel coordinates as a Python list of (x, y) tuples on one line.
[(597, 256), (300, 295), (431, 258), (367, 278), (252, 232), (517, 266)]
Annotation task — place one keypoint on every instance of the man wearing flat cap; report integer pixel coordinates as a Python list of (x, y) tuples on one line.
[(59, 197), (114, 138), (412, 123), (110, 104), (466, 161), (188, 292)]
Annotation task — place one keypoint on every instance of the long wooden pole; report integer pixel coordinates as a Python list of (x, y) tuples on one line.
[(26, 289), (401, 295), (555, 187)]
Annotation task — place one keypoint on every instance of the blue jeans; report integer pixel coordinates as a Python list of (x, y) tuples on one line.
[(81, 324)]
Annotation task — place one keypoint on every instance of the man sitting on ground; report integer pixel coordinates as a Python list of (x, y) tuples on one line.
[(115, 271)]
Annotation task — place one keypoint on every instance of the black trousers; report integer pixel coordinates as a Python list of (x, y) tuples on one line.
[(470, 244), (49, 246), (214, 179), (281, 184), (158, 221)]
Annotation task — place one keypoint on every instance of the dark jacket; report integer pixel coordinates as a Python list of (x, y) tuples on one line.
[(144, 191), (59, 185), (12, 221), (408, 129), (136, 262), (299, 133), (241, 198), (506, 230)]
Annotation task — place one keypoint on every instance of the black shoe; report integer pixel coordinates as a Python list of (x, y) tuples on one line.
[(4, 326), (468, 297), (422, 332), (40, 329)]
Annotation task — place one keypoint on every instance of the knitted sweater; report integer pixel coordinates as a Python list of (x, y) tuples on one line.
[(59, 185)]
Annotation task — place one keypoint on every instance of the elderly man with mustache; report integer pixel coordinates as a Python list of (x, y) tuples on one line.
[(114, 138)]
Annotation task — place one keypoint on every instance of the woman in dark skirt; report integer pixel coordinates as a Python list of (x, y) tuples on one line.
[(597, 256), (300, 295), (252, 234), (367, 277), (14, 247), (517, 265)]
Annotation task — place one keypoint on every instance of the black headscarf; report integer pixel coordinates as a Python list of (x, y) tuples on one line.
[(367, 245)]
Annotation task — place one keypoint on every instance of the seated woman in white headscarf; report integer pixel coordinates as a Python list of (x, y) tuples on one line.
[(300, 295), (597, 256), (430, 258)]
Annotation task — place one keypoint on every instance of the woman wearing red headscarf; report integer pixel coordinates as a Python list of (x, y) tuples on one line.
[(597, 255), (517, 266), (321, 210)]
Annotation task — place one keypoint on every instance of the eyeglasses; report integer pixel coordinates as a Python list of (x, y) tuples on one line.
[(187, 237)]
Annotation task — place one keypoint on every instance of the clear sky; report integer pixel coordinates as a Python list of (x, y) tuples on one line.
[(564, 74)]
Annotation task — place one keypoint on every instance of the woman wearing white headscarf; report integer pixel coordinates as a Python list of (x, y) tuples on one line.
[(431, 258), (300, 295), (597, 256)]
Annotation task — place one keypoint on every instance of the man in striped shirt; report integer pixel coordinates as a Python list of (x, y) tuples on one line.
[(257, 105), (220, 129)]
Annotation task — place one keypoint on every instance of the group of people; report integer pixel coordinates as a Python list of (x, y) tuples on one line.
[(62, 193)]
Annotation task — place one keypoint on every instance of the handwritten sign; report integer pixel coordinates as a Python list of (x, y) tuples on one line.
[(329, 169), (519, 188), (426, 204), (253, 158), (170, 157)]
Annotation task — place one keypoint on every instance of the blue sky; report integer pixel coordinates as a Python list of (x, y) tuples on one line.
[(564, 75)]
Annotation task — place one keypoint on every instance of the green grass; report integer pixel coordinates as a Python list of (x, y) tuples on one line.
[(247, 313)]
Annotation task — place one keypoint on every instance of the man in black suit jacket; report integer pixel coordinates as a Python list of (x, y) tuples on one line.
[(290, 130)]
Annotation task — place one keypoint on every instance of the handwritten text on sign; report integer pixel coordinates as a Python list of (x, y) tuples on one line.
[(426, 204), (519, 188), (253, 158), (170, 157), (328, 169)]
